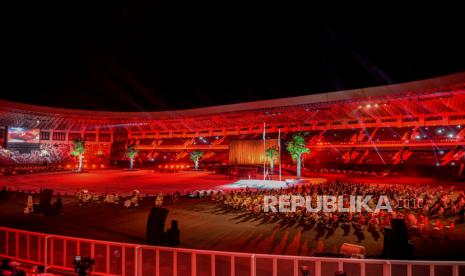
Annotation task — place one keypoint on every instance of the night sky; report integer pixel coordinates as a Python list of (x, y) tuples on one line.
[(149, 55)]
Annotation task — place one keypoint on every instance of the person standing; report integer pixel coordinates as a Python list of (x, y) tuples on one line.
[(155, 230)]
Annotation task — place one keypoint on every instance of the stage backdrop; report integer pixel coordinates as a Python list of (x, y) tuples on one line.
[(249, 152)]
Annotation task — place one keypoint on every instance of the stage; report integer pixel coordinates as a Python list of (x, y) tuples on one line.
[(260, 184), (150, 182)]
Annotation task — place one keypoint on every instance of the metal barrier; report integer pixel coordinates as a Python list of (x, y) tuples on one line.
[(115, 258)]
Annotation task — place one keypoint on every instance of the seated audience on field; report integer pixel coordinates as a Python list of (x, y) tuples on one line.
[(425, 209)]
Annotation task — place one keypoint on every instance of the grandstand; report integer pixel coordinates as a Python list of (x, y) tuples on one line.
[(419, 124)]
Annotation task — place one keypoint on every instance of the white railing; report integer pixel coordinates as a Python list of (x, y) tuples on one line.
[(115, 258)]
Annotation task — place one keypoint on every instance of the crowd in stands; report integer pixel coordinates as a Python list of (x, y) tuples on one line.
[(49, 157), (50, 153), (46, 159), (426, 210)]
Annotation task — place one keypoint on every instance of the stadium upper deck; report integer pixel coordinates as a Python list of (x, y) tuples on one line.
[(432, 102)]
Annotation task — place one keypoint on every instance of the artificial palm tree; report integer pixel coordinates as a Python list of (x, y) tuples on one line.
[(270, 154), (131, 153), (195, 156), (79, 149), (297, 147)]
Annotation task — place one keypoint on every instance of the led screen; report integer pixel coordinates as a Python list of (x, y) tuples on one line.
[(23, 135)]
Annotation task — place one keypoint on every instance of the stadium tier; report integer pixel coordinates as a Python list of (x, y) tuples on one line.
[(420, 123)]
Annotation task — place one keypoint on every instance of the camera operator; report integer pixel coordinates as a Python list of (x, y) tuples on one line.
[(83, 266)]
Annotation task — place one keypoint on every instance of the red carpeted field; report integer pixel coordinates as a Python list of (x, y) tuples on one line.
[(119, 181), (150, 182)]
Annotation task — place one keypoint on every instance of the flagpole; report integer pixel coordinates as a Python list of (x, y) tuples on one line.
[(279, 152), (264, 151)]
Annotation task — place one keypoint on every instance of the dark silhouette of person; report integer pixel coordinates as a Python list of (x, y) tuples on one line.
[(173, 234), (58, 207), (3, 193), (155, 231), (6, 265)]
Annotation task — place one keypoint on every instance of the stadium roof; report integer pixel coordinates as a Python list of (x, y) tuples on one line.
[(442, 95)]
